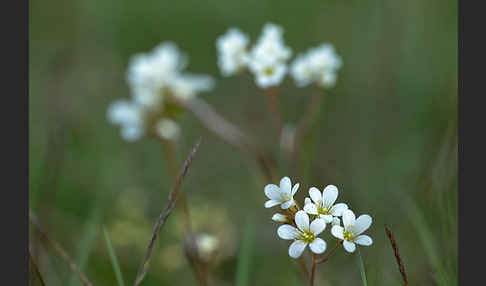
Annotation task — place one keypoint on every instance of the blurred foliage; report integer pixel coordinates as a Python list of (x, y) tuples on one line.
[(386, 136)]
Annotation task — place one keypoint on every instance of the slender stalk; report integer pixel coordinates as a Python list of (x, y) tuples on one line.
[(113, 259), (401, 266), (173, 197), (325, 258), (362, 268), (230, 133), (273, 103), (34, 267), (303, 269), (314, 263), (170, 150), (58, 248)]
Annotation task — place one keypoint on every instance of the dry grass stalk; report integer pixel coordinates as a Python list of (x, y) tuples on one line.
[(397, 254), (173, 196), (60, 250)]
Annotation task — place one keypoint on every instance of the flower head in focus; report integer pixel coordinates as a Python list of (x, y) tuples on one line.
[(351, 233), (282, 195), (305, 234), (318, 65), (322, 204), (232, 51)]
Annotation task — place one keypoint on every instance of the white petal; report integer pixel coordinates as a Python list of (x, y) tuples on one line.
[(295, 188), (349, 246), (348, 218), (327, 218), (287, 204), (287, 231), (363, 240), (317, 226), (338, 231), (318, 246), (329, 195), (337, 209), (361, 224), (271, 203), (272, 192), (307, 200), (285, 185), (310, 208), (302, 220), (296, 248), (315, 194)]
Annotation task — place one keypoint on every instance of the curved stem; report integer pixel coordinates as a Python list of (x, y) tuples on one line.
[(325, 258), (314, 260), (230, 133)]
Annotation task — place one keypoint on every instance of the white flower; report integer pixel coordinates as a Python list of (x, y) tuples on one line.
[(351, 232), (232, 50), (323, 204), (283, 195), (268, 73), (303, 235), (267, 59), (187, 86), (278, 217), (318, 65), (167, 129), (130, 116), (153, 75)]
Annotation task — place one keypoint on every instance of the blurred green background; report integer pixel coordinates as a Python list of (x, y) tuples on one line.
[(386, 136)]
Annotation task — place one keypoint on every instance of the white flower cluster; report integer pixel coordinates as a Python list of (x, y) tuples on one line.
[(152, 77), (318, 65), (304, 226), (268, 58)]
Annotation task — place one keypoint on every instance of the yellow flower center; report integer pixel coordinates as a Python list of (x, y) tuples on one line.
[(269, 70), (348, 235), (323, 209), (307, 236)]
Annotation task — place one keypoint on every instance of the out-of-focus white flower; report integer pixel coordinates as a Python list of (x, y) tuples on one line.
[(268, 73), (305, 234), (206, 245), (318, 65), (283, 195), (351, 232), (167, 129), (153, 75), (268, 58), (322, 204), (187, 86), (129, 115), (278, 217), (232, 50)]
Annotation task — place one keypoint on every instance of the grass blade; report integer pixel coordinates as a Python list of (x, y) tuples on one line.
[(362, 268), (173, 196), (113, 259), (60, 250), (36, 271), (245, 253)]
